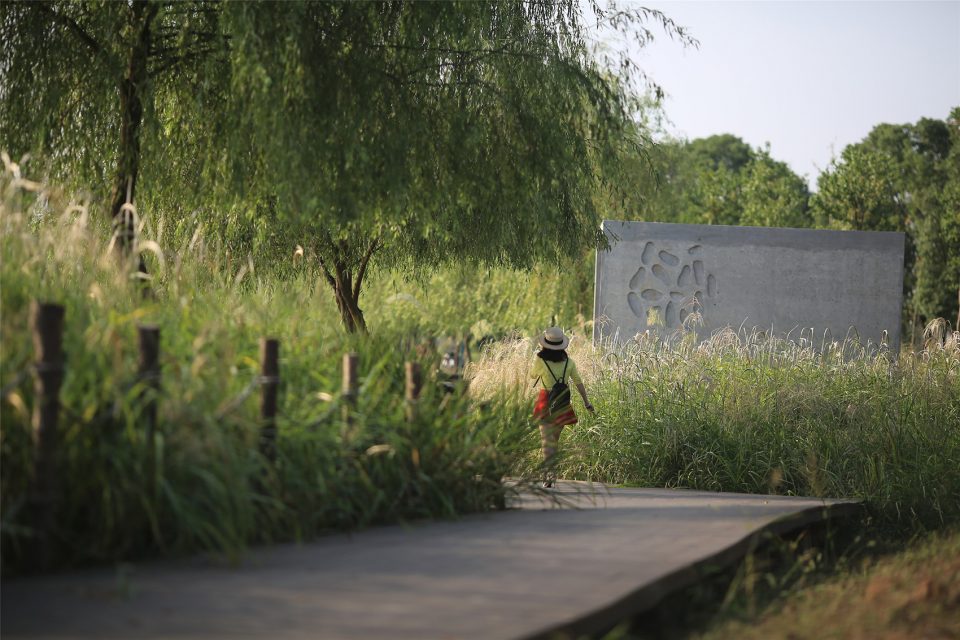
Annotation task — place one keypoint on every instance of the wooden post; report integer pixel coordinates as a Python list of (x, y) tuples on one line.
[(149, 374), (412, 394), (46, 321), (269, 383), (349, 387)]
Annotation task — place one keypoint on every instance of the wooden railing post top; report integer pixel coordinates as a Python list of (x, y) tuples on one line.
[(47, 307), (46, 321), (269, 357)]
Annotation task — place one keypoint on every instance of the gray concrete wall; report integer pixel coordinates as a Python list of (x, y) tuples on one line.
[(784, 280)]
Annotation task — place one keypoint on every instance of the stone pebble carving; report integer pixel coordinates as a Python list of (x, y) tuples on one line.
[(669, 285), (637, 278)]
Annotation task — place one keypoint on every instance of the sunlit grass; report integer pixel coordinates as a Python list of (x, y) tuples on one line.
[(912, 594), (741, 412), (736, 413), (210, 488)]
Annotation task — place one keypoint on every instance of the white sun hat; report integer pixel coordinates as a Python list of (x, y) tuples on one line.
[(553, 338)]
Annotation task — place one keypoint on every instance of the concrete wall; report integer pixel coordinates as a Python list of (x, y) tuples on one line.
[(781, 279)]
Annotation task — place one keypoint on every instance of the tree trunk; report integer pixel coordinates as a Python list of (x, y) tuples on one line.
[(349, 267), (132, 88), (350, 312)]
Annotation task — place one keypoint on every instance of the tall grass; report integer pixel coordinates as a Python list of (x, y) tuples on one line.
[(738, 412), (211, 489), (746, 413)]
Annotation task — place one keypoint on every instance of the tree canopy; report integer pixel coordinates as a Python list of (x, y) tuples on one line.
[(410, 133), (80, 84), (716, 180), (905, 178)]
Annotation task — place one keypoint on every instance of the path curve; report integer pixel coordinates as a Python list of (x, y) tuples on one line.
[(529, 572)]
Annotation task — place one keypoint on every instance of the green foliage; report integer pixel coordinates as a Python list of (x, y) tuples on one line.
[(362, 130), (66, 105), (933, 292), (426, 133), (716, 180), (52, 98), (737, 415), (937, 289), (482, 303), (412, 134), (858, 192), (773, 195), (715, 197), (724, 150), (904, 178), (210, 488)]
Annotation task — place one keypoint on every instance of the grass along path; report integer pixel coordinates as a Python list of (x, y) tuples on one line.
[(818, 586), (742, 413), (911, 594)]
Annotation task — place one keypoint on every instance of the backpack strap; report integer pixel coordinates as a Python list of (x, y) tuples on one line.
[(555, 379)]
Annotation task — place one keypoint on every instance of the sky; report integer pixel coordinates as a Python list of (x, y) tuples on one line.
[(807, 77)]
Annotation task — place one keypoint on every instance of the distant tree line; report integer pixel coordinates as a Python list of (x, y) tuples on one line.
[(898, 178)]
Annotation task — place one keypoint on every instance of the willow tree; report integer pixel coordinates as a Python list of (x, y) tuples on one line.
[(80, 83), (410, 134), (419, 133)]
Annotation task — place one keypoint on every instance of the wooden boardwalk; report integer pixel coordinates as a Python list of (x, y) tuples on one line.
[(525, 573)]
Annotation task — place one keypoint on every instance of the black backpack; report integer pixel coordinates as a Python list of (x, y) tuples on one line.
[(559, 397)]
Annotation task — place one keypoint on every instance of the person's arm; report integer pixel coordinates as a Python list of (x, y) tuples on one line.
[(583, 394)]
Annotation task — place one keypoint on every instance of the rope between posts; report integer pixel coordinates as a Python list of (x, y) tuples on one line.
[(47, 367), (243, 395), (152, 376), (39, 367)]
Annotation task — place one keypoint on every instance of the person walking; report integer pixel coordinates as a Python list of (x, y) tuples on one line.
[(553, 370)]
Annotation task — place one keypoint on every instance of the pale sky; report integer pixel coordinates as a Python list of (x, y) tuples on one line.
[(807, 77)]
